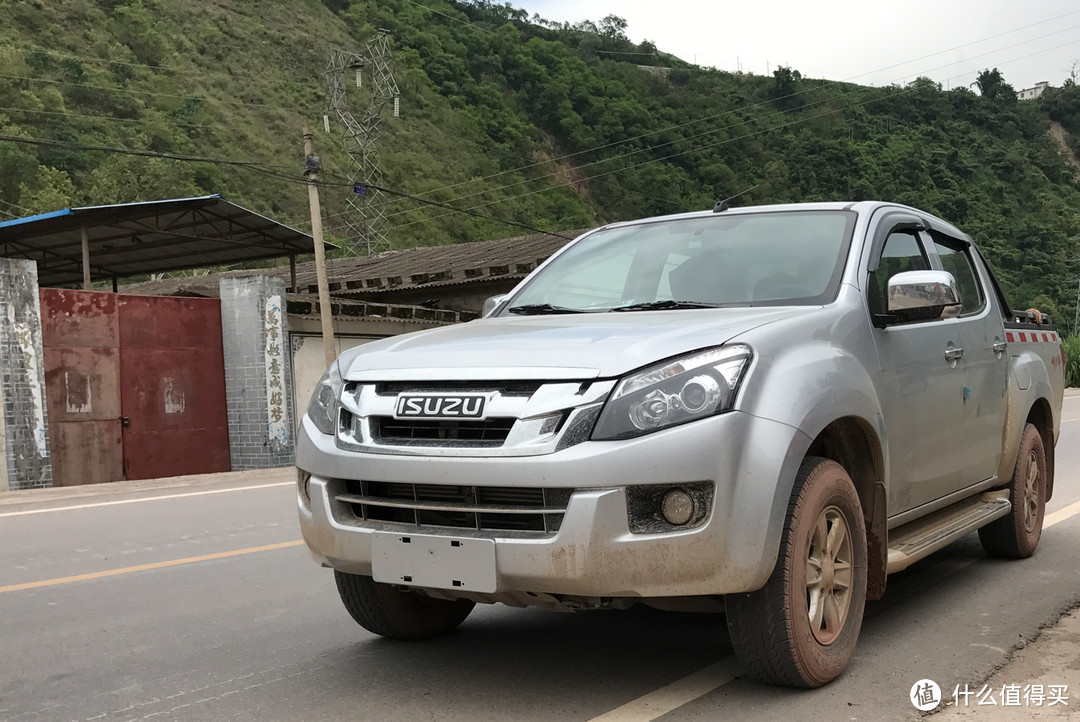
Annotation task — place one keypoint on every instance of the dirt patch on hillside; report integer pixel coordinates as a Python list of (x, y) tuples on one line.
[(1062, 138)]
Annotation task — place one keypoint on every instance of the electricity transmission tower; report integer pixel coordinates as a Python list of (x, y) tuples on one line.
[(365, 222)]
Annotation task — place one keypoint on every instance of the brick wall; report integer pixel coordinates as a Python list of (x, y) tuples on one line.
[(24, 440), (258, 373)]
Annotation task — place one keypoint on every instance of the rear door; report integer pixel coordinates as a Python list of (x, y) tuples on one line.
[(984, 363)]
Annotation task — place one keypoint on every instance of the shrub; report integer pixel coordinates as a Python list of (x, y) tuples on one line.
[(1072, 369)]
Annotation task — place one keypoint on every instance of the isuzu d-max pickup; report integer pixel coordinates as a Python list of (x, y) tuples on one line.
[(760, 411)]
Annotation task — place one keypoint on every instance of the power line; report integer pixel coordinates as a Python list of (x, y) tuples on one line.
[(705, 147), (253, 166), (741, 122), (765, 103), (110, 118), (448, 17), (147, 92)]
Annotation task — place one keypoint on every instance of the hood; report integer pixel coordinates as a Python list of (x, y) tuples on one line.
[(565, 346)]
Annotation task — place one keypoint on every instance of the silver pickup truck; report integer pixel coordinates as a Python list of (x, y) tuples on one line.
[(760, 411)]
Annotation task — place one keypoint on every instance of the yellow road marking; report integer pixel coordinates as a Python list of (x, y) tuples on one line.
[(145, 567), (142, 499)]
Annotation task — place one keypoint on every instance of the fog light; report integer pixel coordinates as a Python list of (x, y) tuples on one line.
[(677, 507), (303, 484)]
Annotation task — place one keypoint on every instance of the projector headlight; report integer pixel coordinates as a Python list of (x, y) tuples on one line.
[(674, 392), (325, 401)]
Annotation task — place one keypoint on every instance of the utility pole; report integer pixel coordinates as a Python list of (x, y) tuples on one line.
[(312, 166)]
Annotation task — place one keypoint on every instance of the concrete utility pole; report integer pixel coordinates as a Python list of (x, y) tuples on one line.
[(312, 166)]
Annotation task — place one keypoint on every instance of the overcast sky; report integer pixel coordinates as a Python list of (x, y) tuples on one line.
[(875, 42)]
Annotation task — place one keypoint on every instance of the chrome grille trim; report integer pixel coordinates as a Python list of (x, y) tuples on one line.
[(529, 510), (555, 415)]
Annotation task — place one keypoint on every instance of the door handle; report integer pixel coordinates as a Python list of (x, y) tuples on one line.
[(953, 354), (125, 421), (1000, 346)]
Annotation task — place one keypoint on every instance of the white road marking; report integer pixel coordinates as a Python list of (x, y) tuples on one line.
[(675, 695), (144, 498), (683, 691), (1061, 515)]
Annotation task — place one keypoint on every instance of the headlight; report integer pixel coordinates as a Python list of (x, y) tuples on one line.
[(674, 392), (324, 405)]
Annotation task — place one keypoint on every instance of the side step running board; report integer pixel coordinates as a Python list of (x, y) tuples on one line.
[(922, 537)]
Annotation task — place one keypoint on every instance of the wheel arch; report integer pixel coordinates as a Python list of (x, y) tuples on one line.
[(852, 442), (1041, 416)]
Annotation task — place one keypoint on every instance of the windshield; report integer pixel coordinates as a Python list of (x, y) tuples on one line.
[(753, 259)]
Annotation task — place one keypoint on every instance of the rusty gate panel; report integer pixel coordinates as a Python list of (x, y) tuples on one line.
[(82, 385), (172, 399)]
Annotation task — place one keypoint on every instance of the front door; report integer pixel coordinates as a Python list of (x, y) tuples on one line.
[(921, 381)]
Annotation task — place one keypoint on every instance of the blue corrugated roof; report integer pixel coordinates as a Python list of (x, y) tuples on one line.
[(38, 217), (128, 239)]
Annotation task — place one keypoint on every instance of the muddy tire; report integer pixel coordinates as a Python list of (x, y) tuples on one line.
[(1016, 535), (389, 612), (800, 629)]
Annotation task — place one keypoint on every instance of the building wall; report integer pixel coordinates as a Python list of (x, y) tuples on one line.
[(258, 372), (24, 436)]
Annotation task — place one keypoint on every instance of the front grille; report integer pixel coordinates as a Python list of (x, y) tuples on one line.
[(478, 508), (426, 432), (504, 388)]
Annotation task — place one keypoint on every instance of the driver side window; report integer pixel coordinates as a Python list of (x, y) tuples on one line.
[(901, 252)]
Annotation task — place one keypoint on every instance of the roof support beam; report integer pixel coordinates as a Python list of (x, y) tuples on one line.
[(85, 258)]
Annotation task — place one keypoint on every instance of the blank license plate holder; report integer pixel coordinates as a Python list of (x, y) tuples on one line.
[(438, 562)]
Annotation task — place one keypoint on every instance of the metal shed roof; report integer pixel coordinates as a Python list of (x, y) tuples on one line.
[(132, 239)]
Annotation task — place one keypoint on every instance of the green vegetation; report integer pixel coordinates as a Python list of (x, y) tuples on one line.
[(547, 124), (1072, 366)]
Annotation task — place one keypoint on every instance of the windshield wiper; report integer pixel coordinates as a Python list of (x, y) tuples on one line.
[(540, 309), (664, 305)]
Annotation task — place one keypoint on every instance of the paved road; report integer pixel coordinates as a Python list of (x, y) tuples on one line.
[(191, 599)]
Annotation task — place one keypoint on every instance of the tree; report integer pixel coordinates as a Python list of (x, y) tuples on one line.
[(613, 27), (992, 86), (785, 88)]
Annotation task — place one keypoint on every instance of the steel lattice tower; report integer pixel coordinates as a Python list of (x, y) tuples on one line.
[(365, 222)]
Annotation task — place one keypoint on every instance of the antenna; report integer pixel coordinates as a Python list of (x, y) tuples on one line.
[(722, 206), (365, 233)]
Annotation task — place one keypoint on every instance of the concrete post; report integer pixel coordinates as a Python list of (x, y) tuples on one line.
[(24, 432), (258, 372)]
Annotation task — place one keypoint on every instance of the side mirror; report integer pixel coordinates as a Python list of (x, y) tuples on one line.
[(492, 304), (923, 296)]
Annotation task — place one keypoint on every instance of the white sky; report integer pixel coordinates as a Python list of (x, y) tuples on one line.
[(871, 42)]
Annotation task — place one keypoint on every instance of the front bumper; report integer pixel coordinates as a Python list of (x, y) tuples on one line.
[(751, 461)]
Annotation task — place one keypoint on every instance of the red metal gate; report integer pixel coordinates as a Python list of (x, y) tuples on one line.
[(135, 386)]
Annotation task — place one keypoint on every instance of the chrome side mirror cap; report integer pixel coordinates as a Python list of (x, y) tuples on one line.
[(923, 295), (492, 304)]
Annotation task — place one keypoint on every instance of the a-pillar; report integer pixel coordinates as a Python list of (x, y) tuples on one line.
[(258, 372), (24, 431)]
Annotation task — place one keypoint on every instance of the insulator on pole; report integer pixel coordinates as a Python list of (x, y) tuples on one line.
[(397, 106), (326, 123), (359, 81)]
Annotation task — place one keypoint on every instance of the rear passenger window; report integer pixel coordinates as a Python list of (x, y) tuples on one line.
[(901, 252), (955, 259)]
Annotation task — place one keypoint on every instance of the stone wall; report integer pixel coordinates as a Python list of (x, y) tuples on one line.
[(24, 432), (258, 372)]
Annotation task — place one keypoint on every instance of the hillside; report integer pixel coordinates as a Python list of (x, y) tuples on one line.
[(538, 123)]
